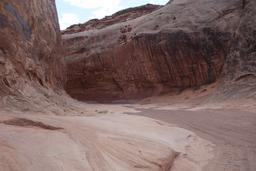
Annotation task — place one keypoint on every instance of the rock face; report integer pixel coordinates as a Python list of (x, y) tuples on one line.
[(240, 66), (103, 142), (149, 64), (29, 46), (181, 45)]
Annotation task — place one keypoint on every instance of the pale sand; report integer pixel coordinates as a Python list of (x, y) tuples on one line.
[(232, 131)]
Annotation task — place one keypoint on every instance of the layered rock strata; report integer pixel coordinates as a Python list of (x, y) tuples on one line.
[(29, 47), (182, 45)]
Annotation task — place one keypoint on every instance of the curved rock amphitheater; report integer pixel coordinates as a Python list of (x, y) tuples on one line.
[(150, 88)]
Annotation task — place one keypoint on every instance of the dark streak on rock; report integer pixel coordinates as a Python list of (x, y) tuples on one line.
[(3, 21), (21, 122), (26, 30)]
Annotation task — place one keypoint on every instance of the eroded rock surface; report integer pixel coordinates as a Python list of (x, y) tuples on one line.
[(103, 143), (240, 67), (29, 46), (181, 45)]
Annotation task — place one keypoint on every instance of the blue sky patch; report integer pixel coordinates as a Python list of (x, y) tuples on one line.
[(79, 11)]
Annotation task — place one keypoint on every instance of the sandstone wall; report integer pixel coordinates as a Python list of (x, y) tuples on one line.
[(29, 46), (240, 67), (182, 45), (149, 64)]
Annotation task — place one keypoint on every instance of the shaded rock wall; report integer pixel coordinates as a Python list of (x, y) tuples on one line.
[(240, 66), (29, 46), (149, 64), (181, 45)]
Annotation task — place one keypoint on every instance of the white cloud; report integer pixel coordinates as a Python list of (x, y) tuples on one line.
[(102, 12), (100, 8), (93, 4), (160, 2), (68, 19), (96, 8)]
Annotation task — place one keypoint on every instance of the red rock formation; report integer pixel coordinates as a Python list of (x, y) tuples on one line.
[(149, 64), (29, 46), (240, 66), (169, 49)]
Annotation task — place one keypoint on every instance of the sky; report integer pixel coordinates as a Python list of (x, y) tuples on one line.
[(79, 11)]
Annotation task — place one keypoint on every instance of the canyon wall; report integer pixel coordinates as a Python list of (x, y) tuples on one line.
[(29, 47), (149, 64), (240, 67), (43, 129), (138, 52), (184, 44)]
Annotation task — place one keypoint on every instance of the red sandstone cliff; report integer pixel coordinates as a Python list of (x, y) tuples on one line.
[(30, 45), (181, 45)]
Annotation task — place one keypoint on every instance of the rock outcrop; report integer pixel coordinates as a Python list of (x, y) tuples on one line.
[(240, 67), (30, 45), (181, 45)]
